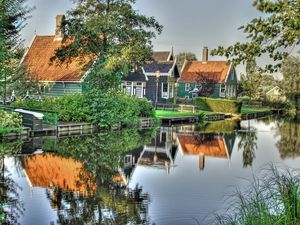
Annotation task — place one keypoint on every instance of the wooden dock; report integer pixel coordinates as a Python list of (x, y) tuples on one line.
[(181, 119)]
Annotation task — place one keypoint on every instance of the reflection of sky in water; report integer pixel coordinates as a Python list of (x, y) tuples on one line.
[(181, 192)]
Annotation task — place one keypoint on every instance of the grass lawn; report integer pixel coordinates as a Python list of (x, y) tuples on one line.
[(254, 110), (168, 113)]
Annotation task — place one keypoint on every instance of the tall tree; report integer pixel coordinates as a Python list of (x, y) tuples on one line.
[(270, 34), (108, 31), (182, 56), (291, 77), (13, 14)]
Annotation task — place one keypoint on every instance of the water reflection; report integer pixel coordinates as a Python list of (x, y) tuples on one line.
[(289, 143), (206, 145), (141, 177), (11, 208)]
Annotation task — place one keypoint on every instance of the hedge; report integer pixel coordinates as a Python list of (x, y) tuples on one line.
[(219, 105)]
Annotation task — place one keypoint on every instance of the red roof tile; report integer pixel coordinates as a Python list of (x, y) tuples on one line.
[(193, 70), (38, 62)]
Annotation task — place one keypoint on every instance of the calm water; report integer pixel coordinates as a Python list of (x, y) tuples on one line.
[(173, 175)]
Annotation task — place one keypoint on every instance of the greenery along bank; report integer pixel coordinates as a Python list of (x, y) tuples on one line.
[(103, 109), (9, 122)]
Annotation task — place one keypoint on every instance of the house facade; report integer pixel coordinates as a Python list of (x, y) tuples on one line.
[(156, 79), (55, 79), (221, 75)]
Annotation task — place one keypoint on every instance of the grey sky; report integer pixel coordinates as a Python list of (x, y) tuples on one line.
[(188, 24)]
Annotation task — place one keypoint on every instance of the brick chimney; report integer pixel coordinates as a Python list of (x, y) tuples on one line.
[(59, 32), (205, 55)]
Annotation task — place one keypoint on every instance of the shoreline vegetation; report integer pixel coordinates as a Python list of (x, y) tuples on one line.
[(272, 198)]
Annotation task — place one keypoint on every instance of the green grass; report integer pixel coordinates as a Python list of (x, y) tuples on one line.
[(254, 110), (168, 113)]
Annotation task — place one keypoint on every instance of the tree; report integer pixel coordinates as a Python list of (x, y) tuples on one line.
[(182, 56), (110, 32), (255, 84), (13, 14), (271, 34), (291, 78), (205, 84)]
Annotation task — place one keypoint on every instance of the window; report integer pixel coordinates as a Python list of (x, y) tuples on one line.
[(165, 87), (128, 90), (139, 83), (128, 83), (187, 86), (222, 90), (165, 90), (138, 92)]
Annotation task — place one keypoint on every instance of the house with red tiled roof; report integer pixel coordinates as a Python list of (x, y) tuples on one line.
[(221, 75), (56, 79)]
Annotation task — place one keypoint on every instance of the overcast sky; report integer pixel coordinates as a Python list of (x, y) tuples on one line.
[(188, 24)]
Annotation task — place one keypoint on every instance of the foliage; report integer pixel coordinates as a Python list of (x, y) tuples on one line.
[(255, 84), (109, 30), (219, 105), (273, 198), (13, 14), (291, 78), (113, 108), (248, 144), (205, 83), (269, 35), (69, 107), (102, 155), (10, 122), (289, 142), (22, 81), (223, 126), (182, 56), (279, 104)]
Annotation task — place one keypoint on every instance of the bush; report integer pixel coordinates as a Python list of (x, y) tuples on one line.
[(10, 122), (219, 105), (278, 104), (109, 109), (69, 107)]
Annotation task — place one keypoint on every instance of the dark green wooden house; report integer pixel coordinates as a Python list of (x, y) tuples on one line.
[(221, 74)]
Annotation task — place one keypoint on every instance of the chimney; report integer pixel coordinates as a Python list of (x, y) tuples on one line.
[(205, 55), (59, 32)]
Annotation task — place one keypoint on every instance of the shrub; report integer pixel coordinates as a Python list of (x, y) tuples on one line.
[(109, 109), (69, 107), (10, 122), (219, 105)]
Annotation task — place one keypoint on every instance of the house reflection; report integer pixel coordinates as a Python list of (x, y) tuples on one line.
[(168, 142), (206, 145), (158, 154), (53, 172)]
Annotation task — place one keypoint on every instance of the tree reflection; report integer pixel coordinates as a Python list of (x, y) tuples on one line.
[(111, 202), (248, 144), (289, 143), (10, 206)]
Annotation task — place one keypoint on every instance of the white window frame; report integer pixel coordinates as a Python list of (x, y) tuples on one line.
[(223, 93), (164, 94), (187, 86)]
